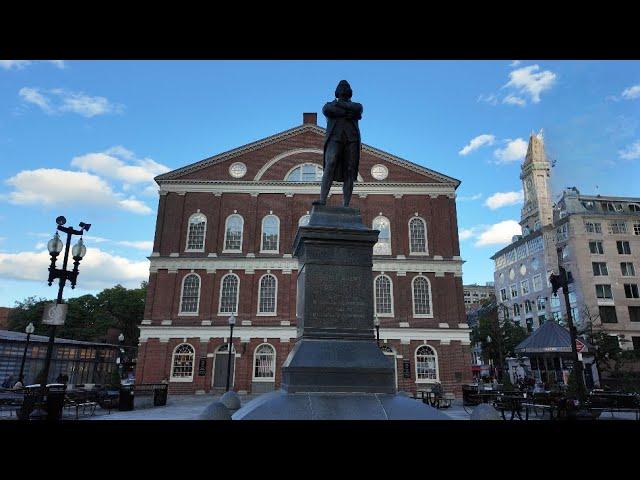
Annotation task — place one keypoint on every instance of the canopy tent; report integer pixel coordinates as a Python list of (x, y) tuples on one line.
[(549, 337)]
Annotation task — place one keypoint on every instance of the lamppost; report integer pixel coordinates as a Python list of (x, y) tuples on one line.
[(120, 363), (78, 251), (562, 281), (500, 361), (232, 322), (29, 330), (376, 323)]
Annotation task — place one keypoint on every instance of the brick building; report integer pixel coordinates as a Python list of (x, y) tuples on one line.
[(223, 245)]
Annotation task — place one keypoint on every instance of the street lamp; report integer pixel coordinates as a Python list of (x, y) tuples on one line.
[(232, 322), (376, 323), (121, 363), (55, 247), (28, 330)]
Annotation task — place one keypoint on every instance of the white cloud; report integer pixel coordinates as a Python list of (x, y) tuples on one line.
[(14, 64), (529, 80), (477, 142), (631, 152), (53, 187), (140, 245), (109, 166), (462, 198), (98, 269), (515, 63), (631, 93), (503, 199), (68, 101), (499, 233), (490, 99), (514, 151), (32, 95), (465, 233), (513, 100), (58, 63)]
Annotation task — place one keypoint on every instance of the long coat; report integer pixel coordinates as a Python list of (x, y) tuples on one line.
[(341, 169)]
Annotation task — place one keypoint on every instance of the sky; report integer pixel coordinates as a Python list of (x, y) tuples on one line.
[(84, 139)]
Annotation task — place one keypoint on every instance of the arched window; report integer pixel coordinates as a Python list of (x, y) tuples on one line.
[(417, 236), (307, 172), (196, 232), (421, 297), (229, 294), (426, 364), (304, 220), (267, 295), (182, 363), (383, 247), (383, 294), (264, 363), (190, 294), (233, 233), (270, 234)]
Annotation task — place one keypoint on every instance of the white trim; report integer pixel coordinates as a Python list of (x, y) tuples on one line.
[(205, 333), (235, 312), (435, 354), (193, 364), (373, 226), (267, 314), (262, 250), (279, 157), (426, 240), (224, 243), (375, 302), (253, 365), (213, 368), (300, 165), (190, 314), (204, 238), (413, 299)]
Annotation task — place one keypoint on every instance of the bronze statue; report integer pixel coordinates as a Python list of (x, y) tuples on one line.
[(341, 144)]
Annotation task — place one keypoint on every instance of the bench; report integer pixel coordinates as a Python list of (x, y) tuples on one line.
[(80, 400), (535, 406), (613, 410)]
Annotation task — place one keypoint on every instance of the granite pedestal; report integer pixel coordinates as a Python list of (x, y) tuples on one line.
[(335, 370)]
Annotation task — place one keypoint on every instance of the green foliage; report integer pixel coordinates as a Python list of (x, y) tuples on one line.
[(575, 388), (89, 317)]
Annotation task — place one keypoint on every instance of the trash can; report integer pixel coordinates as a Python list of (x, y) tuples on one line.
[(55, 400), (32, 399), (160, 395), (125, 402)]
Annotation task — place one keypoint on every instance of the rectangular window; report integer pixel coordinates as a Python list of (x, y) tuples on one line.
[(557, 316), (631, 290), (503, 294), (537, 282), (617, 227), (634, 313), (627, 269), (524, 285), (529, 324), (562, 233), (599, 269), (522, 251), (542, 303), (555, 301), (527, 307), (604, 291), (607, 207), (511, 256), (575, 315), (514, 291), (593, 227), (572, 297), (623, 247), (595, 247), (636, 228), (608, 314), (636, 343), (516, 309)]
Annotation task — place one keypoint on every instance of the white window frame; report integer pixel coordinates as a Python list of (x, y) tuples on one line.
[(435, 355), (204, 233), (173, 356), (413, 298), (197, 312), (300, 165), (424, 229), (262, 250), (267, 314), (537, 277), (253, 365), (373, 226), (375, 297), (226, 314), (626, 266), (226, 223), (512, 289)]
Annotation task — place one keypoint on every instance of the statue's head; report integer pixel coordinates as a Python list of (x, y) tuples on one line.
[(343, 90)]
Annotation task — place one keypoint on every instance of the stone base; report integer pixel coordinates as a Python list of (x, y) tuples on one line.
[(280, 405)]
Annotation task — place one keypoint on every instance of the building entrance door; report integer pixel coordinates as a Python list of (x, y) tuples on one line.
[(219, 379), (391, 355)]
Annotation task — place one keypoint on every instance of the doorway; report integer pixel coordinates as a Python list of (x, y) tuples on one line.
[(219, 377)]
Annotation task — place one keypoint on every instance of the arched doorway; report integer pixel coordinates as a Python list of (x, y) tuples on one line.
[(219, 377), (391, 355)]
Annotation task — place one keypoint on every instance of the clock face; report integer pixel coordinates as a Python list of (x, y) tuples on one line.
[(379, 172), (529, 184), (238, 170)]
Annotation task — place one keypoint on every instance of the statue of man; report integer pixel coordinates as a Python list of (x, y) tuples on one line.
[(341, 144)]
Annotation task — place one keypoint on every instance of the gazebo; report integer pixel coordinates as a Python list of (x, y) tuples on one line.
[(549, 351)]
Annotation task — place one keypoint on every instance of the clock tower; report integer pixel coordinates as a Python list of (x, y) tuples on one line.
[(535, 171)]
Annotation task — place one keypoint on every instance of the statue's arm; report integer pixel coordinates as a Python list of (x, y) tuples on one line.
[(334, 110)]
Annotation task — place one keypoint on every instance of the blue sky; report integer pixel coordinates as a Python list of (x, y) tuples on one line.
[(85, 138)]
